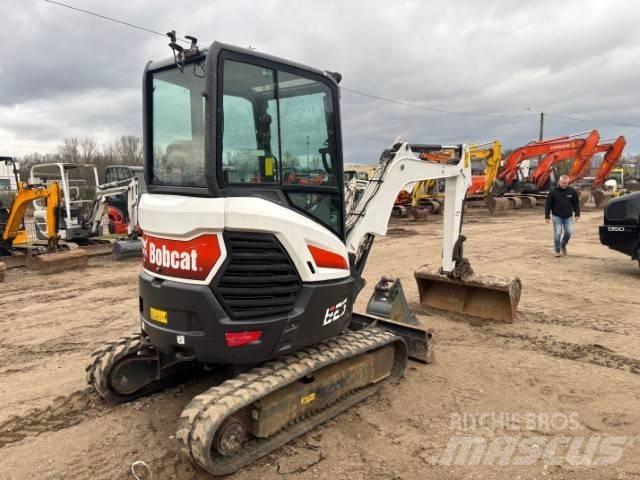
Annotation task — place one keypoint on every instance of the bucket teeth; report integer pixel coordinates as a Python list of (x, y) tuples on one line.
[(488, 298)]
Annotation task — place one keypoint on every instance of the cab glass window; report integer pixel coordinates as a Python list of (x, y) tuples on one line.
[(278, 129), (178, 126), (249, 125)]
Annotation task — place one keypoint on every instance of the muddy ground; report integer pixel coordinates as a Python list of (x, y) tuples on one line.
[(573, 353)]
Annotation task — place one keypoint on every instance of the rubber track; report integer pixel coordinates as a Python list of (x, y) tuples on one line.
[(110, 354), (206, 412)]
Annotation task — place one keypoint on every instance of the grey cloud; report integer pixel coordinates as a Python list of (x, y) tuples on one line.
[(70, 74)]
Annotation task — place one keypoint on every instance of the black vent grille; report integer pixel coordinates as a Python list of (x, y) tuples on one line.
[(259, 278)]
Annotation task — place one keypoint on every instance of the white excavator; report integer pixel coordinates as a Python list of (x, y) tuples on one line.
[(85, 203), (251, 262)]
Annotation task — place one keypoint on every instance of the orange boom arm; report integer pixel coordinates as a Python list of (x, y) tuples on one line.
[(614, 152)]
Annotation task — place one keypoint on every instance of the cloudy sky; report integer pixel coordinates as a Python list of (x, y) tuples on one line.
[(65, 74)]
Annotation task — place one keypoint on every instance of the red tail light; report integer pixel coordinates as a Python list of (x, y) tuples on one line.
[(325, 258), (237, 339)]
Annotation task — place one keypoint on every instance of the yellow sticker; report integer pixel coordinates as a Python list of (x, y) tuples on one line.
[(308, 398), (268, 166), (157, 315)]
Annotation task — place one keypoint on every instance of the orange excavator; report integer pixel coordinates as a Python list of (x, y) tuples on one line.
[(510, 178), (612, 153), (582, 153)]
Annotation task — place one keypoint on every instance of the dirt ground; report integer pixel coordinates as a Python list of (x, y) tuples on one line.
[(573, 352)]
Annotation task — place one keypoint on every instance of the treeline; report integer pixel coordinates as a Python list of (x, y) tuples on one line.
[(126, 150)]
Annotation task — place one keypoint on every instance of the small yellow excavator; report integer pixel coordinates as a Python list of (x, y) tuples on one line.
[(427, 196), (491, 157), (50, 259)]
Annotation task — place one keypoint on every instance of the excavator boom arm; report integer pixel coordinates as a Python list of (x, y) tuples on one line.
[(371, 215), (582, 154), (509, 172), (25, 196), (611, 158)]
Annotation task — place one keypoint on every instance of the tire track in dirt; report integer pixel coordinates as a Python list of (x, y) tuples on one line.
[(11, 353), (587, 353), (64, 412), (599, 324)]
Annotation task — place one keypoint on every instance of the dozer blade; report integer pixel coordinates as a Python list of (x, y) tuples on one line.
[(483, 297), (123, 249), (419, 340), (46, 263), (498, 204), (601, 197)]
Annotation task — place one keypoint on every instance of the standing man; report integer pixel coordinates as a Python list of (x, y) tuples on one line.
[(562, 204)]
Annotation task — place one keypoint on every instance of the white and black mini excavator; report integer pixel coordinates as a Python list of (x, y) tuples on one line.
[(250, 259)]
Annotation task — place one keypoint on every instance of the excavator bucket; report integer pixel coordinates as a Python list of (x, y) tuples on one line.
[(600, 197), (55, 262), (482, 297), (498, 204), (127, 248), (528, 201), (583, 197)]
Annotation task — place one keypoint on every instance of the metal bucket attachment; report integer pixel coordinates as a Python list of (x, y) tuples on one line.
[(528, 202), (388, 301), (583, 197), (483, 297), (516, 203), (129, 248), (600, 197), (420, 214), (498, 204), (399, 211), (46, 263), (3, 268)]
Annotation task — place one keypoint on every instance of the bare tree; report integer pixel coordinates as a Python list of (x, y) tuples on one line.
[(129, 149), (70, 150), (88, 150)]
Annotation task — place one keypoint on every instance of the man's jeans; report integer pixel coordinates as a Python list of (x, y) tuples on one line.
[(561, 225)]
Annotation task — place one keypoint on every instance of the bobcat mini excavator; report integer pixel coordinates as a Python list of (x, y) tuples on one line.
[(244, 266)]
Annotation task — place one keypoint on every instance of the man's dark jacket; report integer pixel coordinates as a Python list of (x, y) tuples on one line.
[(562, 202)]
